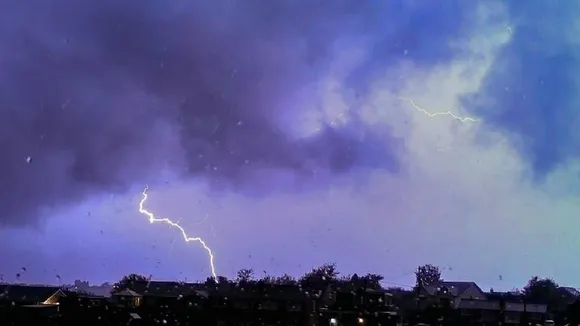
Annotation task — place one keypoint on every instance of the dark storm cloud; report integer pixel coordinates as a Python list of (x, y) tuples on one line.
[(87, 89), (531, 90)]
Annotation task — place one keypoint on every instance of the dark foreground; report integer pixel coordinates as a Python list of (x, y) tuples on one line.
[(259, 303)]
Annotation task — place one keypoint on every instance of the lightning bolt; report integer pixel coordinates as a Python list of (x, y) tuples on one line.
[(186, 238), (432, 115)]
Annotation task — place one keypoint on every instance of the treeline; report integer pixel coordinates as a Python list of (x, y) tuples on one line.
[(325, 274), (539, 290)]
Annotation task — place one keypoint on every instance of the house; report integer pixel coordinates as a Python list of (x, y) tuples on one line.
[(218, 303), (80, 308), (480, 310), (518, 312), (88, 299), (128, 298), (354, 304), (178, 302), (29, 304), (84, 300), (505, 296), (451, 292), (259, 302), (509, 313), (31, 294), (161, 293)]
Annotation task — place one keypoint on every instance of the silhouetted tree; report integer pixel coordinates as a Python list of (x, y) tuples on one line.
[(542, 290), (324, 274), (343, 279), (220, 280), (268, 279), (285, 280), (245, 275), (320, 276), (368, 281), (81, 284), (129, 282), (373, 281), (427, 275)]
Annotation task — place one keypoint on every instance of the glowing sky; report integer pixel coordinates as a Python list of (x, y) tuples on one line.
[(290, 134)]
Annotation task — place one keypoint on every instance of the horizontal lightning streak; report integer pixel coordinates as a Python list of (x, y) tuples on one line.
[(432, 115), (154, 219)]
